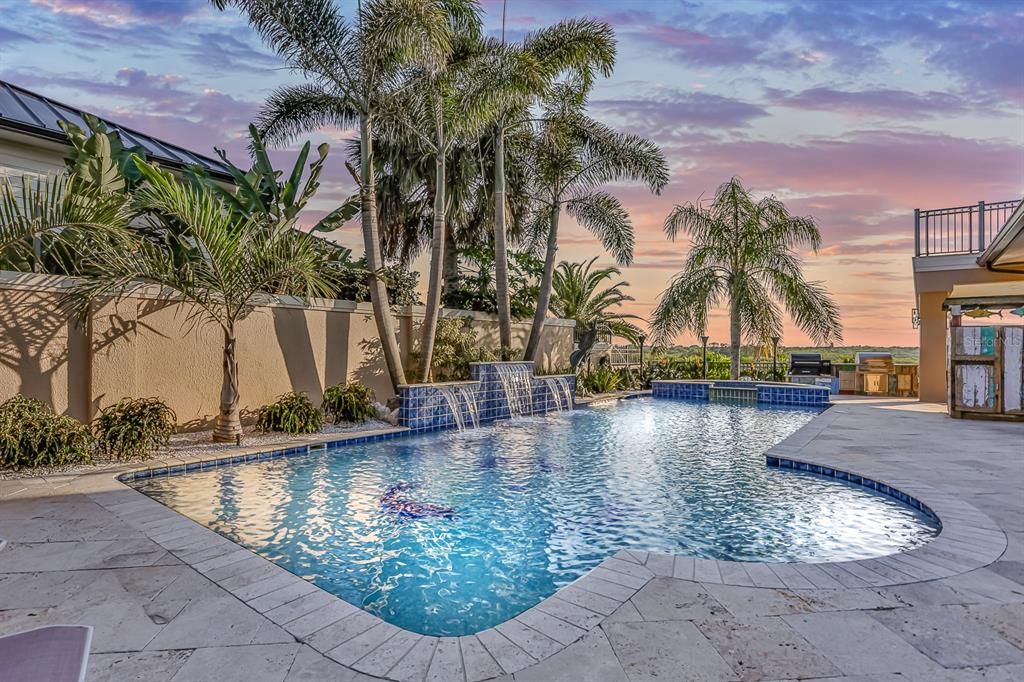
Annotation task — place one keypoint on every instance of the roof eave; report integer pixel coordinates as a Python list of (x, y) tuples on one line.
[(61, 138), (1012, 230)]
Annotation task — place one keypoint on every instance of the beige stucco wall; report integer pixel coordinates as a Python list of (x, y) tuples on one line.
[(144, 347), (933, 287)]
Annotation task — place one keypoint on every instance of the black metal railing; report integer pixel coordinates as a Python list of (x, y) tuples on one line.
[(960, 229)]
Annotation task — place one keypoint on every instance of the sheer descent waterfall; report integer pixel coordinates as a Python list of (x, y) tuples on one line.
[(560, 390), (517, 382)]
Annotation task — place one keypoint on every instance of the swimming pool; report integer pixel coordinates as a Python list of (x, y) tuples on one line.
[(453, 532)]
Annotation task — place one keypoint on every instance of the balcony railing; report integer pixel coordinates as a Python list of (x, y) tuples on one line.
[(961, 229)]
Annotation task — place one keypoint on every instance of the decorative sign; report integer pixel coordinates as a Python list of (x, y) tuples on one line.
[(915, 318)]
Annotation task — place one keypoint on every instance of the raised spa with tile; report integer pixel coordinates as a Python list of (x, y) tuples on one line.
[(453, 531)]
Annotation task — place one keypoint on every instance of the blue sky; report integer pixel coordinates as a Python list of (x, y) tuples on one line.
[(853, 112)]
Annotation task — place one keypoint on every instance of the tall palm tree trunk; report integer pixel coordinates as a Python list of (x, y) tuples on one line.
[(500, 230), (228, 426), (450, 274), (735, 335), (374, 260), (436, 269), (500, 244), (544, 295)]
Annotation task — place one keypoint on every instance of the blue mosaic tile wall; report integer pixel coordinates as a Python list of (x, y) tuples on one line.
[(424, 408), (545, 399), (793, 394), (690, 390), (778, 394), (492, 401)]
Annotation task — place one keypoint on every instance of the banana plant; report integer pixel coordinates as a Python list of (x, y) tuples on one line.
[(260, 193), (99, 158)]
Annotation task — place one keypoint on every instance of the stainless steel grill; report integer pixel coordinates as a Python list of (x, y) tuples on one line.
[(809, 365)]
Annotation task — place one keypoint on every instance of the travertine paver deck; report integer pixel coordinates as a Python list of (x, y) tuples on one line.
[(170, 599)]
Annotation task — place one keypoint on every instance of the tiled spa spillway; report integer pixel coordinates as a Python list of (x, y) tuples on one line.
[(498, 390), (764, 392)]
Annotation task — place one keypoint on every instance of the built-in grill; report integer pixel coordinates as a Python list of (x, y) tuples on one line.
[(809, 365), (874, 361), (873, 371)]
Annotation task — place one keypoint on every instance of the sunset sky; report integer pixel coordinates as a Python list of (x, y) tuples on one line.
[(852, 112)]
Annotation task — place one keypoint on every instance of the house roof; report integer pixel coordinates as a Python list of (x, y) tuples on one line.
[(33, 114), (1006, 252)]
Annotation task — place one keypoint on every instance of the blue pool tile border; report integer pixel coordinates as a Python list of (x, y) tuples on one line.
[(263, 455), (770, 393), (853, 479)]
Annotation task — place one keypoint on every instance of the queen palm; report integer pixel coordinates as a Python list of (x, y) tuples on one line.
[(231, 262), (353, 74), (745, 254), (572, 155), (577, 294)]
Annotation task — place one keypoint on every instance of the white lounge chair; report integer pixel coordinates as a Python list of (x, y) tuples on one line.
[(52, 653)]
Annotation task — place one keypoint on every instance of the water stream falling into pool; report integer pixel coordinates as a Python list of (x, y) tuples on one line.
[(560, 390), (457, 395), (517, 383), (468, 395)]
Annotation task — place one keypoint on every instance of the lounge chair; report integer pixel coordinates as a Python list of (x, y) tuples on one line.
[(52, 653)]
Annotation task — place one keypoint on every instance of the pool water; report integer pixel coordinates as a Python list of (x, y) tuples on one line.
[(451, 533)]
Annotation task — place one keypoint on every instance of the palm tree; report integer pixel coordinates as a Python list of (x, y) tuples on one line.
[(744, 253), (578, 49), (233, 261), (442, 110), (354, 75), (45, 220), (571, 156), (48, 213), (576, 295)]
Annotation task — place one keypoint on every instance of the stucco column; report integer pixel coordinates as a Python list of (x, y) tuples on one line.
[(933, 331)]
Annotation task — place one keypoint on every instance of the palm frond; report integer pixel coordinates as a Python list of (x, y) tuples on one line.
[(293, 110), (582, 47), (686, 304), (61, 204), (603, 215)]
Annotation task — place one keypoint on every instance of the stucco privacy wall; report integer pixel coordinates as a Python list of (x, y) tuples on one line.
[(142, 347)]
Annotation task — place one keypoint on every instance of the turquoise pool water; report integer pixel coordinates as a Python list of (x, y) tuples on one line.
[(451, 533)]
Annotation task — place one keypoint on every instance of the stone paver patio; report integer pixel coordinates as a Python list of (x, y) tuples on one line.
[(170, 599)]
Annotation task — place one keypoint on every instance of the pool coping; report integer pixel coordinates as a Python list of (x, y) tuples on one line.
[(968, 539)]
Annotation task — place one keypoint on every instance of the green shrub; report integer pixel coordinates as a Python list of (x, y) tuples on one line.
[(350, 402), (133, 427), (33, 435), (601, 380), (635, 378), (292, 413), (455, 346)]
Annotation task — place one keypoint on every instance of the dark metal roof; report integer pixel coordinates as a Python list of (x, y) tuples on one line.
[(31, 113)]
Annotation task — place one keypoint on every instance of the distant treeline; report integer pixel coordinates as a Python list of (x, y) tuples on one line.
[(901, 354)]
